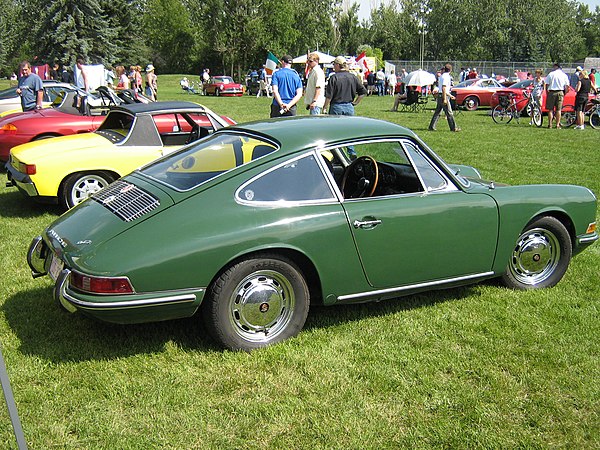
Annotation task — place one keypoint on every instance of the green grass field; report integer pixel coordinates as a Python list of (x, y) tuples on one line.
[(473, 367)]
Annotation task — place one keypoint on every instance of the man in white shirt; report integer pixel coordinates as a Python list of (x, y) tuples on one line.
[(443, 100), (557, 85), (314, 95)]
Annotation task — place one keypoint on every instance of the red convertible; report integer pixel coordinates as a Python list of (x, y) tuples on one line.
[(223, 85), (62, 120), (471, 94)]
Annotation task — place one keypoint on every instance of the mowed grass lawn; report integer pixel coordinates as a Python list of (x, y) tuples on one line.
[(472, 367)]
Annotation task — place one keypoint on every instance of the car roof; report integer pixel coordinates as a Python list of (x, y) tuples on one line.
[(152, 107), (306, 131)]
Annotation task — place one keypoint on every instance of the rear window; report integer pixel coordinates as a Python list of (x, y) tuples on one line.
[(207, 159)]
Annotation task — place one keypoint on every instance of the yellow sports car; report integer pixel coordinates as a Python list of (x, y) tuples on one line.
[(69, 169)]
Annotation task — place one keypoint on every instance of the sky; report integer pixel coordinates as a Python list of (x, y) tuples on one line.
[(365, 6)]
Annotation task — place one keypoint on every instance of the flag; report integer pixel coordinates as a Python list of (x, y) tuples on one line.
[(361, 60), (271, 63)]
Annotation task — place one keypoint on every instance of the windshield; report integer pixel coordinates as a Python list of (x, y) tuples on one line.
[(223, 80), (467, 83), (210, 157), (8, 93), (522, 84)]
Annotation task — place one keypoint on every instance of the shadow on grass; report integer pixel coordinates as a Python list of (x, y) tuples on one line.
[(47, 331), (15, 204), (321, 316)]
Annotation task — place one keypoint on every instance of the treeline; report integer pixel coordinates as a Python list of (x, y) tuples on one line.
[(183, 36)]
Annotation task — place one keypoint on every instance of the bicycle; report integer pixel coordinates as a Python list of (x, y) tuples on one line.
[(508, 108), (594, 114)]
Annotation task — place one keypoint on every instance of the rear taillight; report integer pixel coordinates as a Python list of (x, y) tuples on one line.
[(101, 285), (28, 169)]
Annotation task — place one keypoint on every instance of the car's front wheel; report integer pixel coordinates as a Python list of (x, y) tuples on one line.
[(79, 186), (471, 103), (217, 92), (540, 257), (256, 302)]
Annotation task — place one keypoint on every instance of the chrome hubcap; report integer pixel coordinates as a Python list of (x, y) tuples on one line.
[(535, 256), (262, 305), (86, 187)]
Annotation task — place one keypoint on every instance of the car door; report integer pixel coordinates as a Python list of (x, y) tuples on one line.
[(436, 232)]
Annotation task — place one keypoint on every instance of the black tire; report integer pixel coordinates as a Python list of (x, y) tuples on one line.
[(500, 114), (595, 119), (536, 116), (217, 92), (79, 186), (471, 103), (540, 257), (256, 303)]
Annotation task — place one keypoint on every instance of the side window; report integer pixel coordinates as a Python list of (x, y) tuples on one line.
[(295, 181), (394, 173), (431, 178)]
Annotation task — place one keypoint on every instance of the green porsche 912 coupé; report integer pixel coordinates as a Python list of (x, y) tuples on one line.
[(254, 223)]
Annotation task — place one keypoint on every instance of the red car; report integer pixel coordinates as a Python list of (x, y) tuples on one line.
[(471, 94), (223, 85), (63, 120), (521, 87)]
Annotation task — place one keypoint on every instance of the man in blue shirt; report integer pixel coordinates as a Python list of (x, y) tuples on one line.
[(30, 88), (287, 89)]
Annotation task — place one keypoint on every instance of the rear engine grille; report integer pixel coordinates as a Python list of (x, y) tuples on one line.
[(126, 201)]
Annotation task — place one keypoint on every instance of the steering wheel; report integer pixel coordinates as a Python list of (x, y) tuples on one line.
[(360, 178)]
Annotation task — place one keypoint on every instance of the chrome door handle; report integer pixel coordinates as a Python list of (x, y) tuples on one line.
[(366, 224)]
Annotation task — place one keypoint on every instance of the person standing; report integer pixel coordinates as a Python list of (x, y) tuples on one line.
[(574, 78), (314, 97), (443, 100), (392, 81), (30, 88), (81, 79), (151, 85), (593, 77), (380, 80), (538, 90), (287, 89), (583, 88), (557, 85), (343, 91)]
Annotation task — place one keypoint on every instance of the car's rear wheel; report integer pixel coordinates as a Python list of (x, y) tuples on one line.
[(256, 302), (540, 257), (471, 103), (79, 186)]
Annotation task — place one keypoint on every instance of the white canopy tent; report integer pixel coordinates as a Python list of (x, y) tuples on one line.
[(324, 58)]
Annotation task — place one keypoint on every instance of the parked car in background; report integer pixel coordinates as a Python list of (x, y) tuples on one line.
[(223, 85), (257, 222), (10, 100), (476, 92), (69, 169)]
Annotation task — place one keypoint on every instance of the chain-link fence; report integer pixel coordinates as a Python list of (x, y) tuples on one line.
[(506, 69)]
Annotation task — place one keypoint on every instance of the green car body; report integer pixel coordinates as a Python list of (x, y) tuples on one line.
[(293, 220)]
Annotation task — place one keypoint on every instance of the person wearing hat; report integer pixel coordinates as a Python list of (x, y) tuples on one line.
[(343, 91), (574, 78), (151, 85), (287, 89)]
